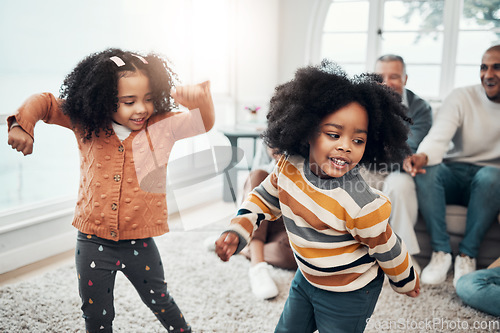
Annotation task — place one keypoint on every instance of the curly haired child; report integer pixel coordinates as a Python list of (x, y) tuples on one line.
[(113, 100), (325, 125)]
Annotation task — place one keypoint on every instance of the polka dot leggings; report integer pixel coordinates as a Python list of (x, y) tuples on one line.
[(97, 262)]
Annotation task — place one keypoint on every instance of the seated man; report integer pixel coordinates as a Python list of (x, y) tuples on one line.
[(468, 174), (398, 185)]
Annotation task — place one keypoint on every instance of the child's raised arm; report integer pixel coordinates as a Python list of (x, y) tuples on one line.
[(197, 96), (20, 140), (22, 124)]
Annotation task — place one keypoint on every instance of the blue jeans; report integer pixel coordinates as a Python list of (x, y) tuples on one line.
[(481, 290), (309, 308), (463, 184)]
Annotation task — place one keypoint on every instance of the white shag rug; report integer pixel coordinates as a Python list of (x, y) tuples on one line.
[(215, 297)]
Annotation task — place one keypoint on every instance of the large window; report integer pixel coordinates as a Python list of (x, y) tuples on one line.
[(442, 41), (41, 41)]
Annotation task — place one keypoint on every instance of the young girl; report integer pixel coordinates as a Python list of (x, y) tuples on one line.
[(325, 125), (110, 100)]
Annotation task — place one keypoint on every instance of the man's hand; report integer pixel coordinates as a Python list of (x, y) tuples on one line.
[(20, 140), (226, 245), (415, 163), (197, 96)]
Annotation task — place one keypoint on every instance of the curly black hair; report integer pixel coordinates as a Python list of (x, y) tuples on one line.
[(298, 107), (90, 91)]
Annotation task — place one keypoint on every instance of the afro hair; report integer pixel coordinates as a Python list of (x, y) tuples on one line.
[(90, 91), (298, 107)]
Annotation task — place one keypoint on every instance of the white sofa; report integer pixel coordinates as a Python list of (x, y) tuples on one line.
[(455, 222)]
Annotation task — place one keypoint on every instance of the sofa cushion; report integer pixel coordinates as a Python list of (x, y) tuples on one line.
[(456, 217)]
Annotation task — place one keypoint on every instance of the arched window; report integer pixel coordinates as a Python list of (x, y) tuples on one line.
[(442, 41)]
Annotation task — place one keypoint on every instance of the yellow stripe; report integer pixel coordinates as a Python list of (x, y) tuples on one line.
[(373, 218), (333, 206), (257, 201), (303, 212), (309, 252), (323, 200), (244, 223), (398, 269)]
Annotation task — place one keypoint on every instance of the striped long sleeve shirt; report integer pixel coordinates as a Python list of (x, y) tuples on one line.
[(338, 228)]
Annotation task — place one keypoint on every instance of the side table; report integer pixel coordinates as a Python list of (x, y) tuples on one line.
[(233, 134)]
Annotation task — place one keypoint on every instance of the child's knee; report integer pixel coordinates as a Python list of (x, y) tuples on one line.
[(487, 176), (466, 288)]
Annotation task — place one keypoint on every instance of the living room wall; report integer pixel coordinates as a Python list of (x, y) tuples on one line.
[(261, 43)]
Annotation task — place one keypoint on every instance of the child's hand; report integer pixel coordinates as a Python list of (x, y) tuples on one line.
[(226, 245), (197, 96), (20, 140), (193, 96), (416, 291), (413, 293)]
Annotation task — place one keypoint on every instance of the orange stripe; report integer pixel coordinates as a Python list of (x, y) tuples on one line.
[(397, 270), (245, 223), (303, 212), (371, 219), (333, 206), (256, 200), (376, 241), (332, 280), (323, 200), (308, 252)]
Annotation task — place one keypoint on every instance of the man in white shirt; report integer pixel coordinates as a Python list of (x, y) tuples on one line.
[(467, 174)]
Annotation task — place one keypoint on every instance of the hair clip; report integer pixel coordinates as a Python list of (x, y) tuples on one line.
[(141, 58), (118, 61)]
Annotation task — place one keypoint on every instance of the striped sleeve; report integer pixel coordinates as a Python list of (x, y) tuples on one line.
[(261, 204), (371, 228)]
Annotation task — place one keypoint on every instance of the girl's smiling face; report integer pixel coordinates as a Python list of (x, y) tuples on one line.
[(340, 143), (135, 101)]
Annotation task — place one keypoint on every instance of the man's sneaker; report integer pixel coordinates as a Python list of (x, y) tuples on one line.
[(435, 272), (463, 265), (261, 282)]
